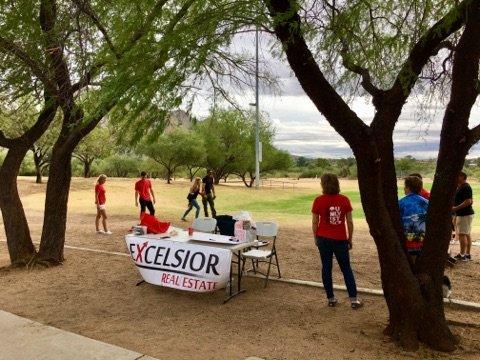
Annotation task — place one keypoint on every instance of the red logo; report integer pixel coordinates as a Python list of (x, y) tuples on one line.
[(140, 250)]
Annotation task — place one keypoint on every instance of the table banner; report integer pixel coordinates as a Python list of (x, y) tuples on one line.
[(180, 265)]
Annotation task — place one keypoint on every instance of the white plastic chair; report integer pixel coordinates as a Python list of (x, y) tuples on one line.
[(206, 225), (265, 229)]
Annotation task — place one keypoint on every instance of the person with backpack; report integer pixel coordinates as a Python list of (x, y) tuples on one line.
[(192, 198)]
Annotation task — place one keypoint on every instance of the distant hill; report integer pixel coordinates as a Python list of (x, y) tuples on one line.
[(178, 119)]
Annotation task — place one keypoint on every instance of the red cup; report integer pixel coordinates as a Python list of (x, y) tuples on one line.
[(190, 231)]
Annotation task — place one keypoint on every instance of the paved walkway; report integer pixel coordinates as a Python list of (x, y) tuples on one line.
[(23, 339)]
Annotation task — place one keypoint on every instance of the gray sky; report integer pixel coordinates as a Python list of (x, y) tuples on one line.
[(302, 130)]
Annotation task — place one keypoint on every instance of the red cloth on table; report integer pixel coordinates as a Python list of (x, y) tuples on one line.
[(154, 226)]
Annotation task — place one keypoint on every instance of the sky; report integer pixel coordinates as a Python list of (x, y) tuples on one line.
[(303, 131)]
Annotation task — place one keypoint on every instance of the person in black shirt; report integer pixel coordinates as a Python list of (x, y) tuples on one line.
[(463, 216), (192, 198), (208, 193)]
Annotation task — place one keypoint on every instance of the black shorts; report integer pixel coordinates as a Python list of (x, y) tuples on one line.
[(146, 204)]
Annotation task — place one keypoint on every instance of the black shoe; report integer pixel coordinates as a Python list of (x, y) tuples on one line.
[(332, 302), (451, 260), (460, 257), (468, 257)]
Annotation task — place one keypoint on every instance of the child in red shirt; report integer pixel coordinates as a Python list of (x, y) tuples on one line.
[(100, 200), (331, 212)]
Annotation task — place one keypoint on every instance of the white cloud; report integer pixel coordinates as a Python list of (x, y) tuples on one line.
[(302, 130)]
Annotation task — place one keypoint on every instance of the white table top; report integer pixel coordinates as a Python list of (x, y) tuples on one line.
[(213, 240)]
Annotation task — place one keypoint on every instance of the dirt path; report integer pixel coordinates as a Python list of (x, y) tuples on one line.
[(94, 295)]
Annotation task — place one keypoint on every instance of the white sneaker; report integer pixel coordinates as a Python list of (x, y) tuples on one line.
[(100, 232), (108, 232)]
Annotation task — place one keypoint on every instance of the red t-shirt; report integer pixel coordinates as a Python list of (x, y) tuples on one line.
[(332, 210), (425, 194), (143, 187), (100, 194)]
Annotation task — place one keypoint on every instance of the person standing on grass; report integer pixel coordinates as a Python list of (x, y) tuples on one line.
[(424, 192), (208, 193), (413, 212), (100, 200), (331, 211), (144, 194), (192, 198), (463, 217)]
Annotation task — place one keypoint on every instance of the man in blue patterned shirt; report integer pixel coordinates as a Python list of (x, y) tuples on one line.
[(413, 211)]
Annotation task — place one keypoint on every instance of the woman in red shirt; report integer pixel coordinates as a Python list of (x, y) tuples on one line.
[(100, 200), (330, 213)]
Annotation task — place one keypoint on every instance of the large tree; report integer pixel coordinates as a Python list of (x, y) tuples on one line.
[(394, 40), (272, 158), (175, 149), (226, 134), (94, 58), (21, 75), (96, 145)]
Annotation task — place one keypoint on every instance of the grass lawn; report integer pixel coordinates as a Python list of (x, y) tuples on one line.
[(288, 206)]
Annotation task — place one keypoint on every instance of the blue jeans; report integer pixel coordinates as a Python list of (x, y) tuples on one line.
[(328, 248), (192, 204)]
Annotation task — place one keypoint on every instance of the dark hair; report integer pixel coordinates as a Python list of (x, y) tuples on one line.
[(330, 184), (417, 175), (414, 183), (462, 174), (143, 174)]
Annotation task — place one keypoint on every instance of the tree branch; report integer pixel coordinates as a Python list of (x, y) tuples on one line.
[(33, 65), (427, 46), (6, 142), (137, 35), (287, 25), (30, 136), (100, 114), (366, 82), (85, 7), (474, 136), (54, 53)]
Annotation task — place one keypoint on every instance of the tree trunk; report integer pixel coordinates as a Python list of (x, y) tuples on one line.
[(169, 176), (87, 168), (455, 142), (56, 202), (252, 179), (244, 179), (38, 168), (192, 172), (411, 305), (19, 242), (414, 298)]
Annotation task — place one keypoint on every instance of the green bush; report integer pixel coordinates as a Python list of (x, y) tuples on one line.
[(120, 166), (315, 172), (28, 167)]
